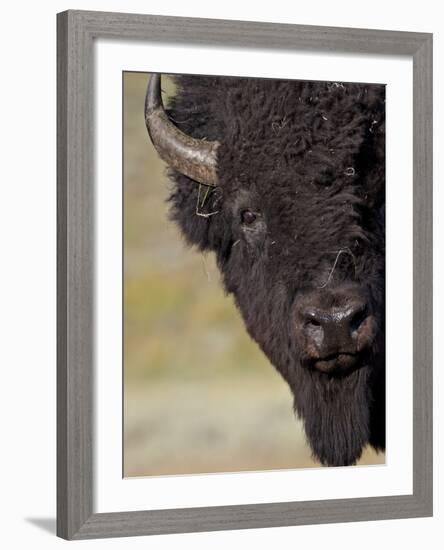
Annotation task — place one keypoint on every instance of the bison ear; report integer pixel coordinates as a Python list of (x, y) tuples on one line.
[(194, 207)]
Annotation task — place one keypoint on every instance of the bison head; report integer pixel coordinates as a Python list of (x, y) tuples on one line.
[(285, 182)]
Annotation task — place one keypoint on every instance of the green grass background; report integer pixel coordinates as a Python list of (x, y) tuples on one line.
[(199, 396)]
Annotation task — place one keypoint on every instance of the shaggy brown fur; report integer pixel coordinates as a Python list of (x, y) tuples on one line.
[(308, 158)]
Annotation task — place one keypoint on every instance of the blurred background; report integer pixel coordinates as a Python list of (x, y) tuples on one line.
[(199, 395)]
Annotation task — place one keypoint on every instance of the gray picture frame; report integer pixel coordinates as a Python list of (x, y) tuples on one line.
[(76, 32)]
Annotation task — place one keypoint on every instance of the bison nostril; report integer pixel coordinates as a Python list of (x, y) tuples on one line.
[(312, 315), (313, 326), (312, 319), (357, 319)]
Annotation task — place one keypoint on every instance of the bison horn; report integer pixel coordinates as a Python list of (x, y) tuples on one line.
[(193, 157)]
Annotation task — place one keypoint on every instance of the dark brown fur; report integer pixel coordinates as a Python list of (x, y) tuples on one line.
[(309, 158)]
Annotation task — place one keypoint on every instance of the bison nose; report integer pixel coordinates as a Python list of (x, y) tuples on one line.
[(336, 330)]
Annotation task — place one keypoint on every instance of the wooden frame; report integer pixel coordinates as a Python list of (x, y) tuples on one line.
[(76, 32)]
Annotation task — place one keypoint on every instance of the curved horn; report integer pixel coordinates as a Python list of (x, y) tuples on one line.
[(193, 157)]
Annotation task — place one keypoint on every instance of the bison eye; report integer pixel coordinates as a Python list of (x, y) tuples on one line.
[(248, 217)]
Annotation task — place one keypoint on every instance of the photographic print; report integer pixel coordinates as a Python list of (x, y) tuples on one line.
[(254, 274)]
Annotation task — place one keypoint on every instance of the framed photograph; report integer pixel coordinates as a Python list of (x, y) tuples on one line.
[(244, 275)]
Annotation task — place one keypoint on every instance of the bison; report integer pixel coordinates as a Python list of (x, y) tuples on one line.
[(284, 181)]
